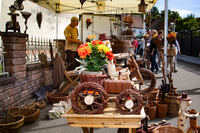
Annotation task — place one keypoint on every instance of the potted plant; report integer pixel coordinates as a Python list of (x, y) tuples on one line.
[(94, 54)]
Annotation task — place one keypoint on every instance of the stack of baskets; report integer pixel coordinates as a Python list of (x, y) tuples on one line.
[(30, 115)]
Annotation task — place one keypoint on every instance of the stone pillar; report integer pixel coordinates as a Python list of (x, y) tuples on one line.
[(15, 48)]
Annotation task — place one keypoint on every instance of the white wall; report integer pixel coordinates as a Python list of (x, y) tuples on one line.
[(48, 26), (100, 24)]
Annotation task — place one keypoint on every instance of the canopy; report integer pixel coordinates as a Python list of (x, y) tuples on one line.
[(94, 6), (140, 35)]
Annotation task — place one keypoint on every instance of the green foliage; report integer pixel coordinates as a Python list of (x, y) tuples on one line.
[(95, 61), (188, 23)]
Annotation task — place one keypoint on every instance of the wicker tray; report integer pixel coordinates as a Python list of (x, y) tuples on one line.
[(13, 124), (57, 97), (30, 115)]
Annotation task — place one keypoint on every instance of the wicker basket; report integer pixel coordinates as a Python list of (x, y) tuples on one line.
[(30, 115), (57, 97), (93, 78), (151, 112), (40, 105), (167, 129), (13, 124)]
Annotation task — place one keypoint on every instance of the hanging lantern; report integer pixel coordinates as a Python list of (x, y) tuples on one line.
[(142, 6)]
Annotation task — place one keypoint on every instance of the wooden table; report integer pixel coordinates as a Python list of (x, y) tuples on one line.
[(108, 119)]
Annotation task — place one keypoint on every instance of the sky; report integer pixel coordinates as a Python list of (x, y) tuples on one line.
[(183, 7)]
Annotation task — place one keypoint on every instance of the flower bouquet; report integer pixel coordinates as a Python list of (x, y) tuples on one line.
[(94, 54), (171, 37)]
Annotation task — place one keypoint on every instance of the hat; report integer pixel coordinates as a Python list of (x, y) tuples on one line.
[(74, 19), (103, 37)]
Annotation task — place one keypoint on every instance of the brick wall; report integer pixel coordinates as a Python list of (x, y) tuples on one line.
[(24, 84), (24, 79)]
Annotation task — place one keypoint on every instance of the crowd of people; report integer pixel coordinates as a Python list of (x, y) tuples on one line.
[(148, 44)]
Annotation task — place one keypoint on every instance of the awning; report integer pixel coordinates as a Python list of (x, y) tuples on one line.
[(94, 6), (140, 35)]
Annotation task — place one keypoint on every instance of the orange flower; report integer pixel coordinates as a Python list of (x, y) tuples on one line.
[(83, 51)]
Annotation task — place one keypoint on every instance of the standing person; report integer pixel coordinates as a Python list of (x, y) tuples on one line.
[(153, 52), (142, 45), (72, 43), (175, 57), (135, 45), (160, 36)]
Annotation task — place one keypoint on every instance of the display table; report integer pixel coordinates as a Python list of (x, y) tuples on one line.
[(108, 119)]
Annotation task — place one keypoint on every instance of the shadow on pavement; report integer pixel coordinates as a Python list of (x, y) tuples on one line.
[(194, 91)]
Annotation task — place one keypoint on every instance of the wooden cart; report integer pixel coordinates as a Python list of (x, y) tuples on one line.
[(108, 119)]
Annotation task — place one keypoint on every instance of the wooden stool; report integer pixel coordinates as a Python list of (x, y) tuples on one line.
[(72, 78)]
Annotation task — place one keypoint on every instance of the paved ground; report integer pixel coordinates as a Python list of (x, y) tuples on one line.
[(187, 79)]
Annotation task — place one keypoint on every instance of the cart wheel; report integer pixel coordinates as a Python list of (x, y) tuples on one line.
[(129, 102), (89, 98), (149, 80)]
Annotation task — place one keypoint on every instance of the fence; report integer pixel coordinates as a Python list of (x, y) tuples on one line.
[(190, 42), (36, 46), (2, 66)]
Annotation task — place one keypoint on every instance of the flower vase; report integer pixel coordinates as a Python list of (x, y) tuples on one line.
[(90, 76)]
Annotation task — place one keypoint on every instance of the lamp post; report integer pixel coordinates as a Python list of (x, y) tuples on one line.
[(165, 37)]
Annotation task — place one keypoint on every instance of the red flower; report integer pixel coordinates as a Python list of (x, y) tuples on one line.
[(109, 55)]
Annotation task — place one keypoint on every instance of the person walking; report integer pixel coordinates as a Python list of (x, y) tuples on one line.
[(153, 53), (72, 43), (175, 57)]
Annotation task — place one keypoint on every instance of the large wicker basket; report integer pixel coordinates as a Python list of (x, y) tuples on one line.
[(30, 115), (57, 97), (167, 129), (11, 124)]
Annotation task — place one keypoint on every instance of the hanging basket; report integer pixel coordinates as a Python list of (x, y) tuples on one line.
[(30, 115), (11, 124)]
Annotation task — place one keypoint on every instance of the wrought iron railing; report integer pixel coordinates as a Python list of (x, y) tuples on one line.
[(36, 46), (2, 65)]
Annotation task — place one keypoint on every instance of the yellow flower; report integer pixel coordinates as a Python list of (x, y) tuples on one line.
[(103, 48), (93, 36)]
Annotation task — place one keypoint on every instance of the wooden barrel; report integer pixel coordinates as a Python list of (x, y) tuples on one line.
[(173, 105), (161, 109), (151, 112)]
